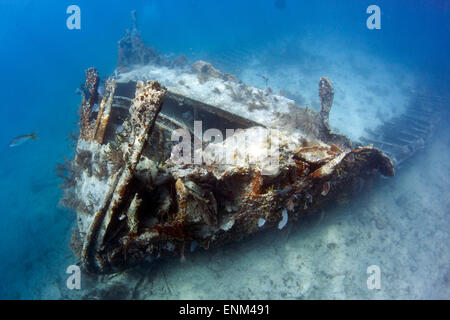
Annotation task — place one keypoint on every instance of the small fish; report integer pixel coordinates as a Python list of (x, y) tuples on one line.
[(17, 141)]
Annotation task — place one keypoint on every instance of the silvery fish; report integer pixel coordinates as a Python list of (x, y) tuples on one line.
[(17, 141)]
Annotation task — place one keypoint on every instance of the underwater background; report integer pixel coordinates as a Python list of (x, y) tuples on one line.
[(401, 224)]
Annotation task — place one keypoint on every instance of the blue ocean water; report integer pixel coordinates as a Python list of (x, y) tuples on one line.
[(43, 63)]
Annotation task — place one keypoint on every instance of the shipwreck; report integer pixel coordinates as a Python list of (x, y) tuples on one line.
[(150, 179)]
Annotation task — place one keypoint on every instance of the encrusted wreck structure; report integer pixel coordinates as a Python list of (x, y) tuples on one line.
[(137, 201)]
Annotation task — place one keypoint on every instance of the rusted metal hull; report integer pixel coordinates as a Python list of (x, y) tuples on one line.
[(136, 202)]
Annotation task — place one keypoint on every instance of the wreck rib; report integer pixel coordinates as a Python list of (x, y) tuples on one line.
[(146, 107)]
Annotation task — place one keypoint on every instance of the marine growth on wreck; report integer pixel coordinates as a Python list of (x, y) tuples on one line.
[(176, 155)]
